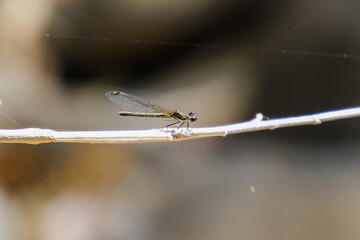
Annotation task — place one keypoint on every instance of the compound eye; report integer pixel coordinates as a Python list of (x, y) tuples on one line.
[(192, 114), (193, 119)]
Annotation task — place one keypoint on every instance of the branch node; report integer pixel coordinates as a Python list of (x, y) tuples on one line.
[(317, 121), (274, 127), (181, 134), (258, 117)]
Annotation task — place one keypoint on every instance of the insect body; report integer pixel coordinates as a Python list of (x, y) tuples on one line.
[(133, 106)]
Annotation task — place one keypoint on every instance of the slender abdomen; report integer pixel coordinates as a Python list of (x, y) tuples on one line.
[(154, 115)]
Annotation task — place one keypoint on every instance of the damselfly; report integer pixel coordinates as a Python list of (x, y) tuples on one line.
[(133, 106)]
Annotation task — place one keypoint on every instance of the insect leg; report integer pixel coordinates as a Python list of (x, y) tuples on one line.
[(173, 124), (181, 125)]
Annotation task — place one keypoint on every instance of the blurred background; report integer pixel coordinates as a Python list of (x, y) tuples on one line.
[(225, 60)]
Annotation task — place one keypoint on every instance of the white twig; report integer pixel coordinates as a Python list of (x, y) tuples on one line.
[(37, 135)]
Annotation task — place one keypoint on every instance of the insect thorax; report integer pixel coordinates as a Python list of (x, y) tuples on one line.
[(178, 116)]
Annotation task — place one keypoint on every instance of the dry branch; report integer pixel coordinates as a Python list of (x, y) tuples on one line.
[(37, 135)]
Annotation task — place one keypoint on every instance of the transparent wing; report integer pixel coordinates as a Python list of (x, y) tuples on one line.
[(131, 103)]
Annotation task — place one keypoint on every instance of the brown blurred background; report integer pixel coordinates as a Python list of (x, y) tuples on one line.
[(225, 60)]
